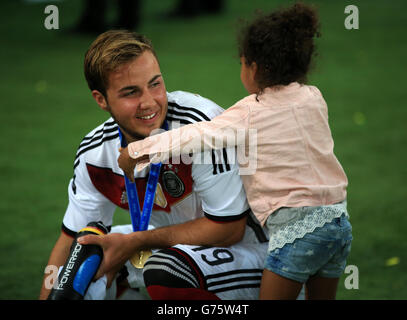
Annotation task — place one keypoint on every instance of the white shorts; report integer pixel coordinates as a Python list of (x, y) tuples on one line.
[(232, 273)]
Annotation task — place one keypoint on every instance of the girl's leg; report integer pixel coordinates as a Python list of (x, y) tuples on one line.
[(319, 288), (276, 287)]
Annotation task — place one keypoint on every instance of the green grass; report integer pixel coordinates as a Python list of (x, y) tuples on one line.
[(46, 109)]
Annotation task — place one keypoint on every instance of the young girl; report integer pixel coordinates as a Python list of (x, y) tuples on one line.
[(299, 188)]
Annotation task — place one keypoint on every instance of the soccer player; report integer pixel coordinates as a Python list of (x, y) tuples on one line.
[(206, 242)]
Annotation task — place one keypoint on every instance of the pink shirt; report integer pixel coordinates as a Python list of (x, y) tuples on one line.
[(285, 134)]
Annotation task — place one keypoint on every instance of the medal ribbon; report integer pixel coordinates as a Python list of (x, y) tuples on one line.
[(140, 220)]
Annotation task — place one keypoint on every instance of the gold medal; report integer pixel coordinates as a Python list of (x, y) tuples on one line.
[(139, 258)]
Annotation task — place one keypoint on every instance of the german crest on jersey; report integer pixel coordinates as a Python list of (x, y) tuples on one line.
[(172, 183)]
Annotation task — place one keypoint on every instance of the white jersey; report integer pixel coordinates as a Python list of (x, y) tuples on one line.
[(184, 191)]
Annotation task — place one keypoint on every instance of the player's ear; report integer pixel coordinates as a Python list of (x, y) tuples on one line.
[(100, 99)]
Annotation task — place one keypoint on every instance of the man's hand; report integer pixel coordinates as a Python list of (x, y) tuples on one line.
[(126, 163), (116, 251)]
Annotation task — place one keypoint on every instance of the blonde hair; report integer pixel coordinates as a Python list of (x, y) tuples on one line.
[(110, 50)]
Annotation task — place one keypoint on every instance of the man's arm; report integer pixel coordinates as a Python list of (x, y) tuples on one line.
[(118, 248), (201, 231), (57, 258)]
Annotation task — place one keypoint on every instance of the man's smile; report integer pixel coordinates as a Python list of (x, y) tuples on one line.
[(148, 117)]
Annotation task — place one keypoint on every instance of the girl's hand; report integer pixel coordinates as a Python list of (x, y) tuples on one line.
[(126, 163)]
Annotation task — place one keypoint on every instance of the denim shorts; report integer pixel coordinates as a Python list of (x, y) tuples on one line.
[(322, 252)]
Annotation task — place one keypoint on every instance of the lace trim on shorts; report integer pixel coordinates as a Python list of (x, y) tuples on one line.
[(288, 224)]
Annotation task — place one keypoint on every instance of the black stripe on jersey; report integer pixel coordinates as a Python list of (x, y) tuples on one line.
[(191, 262), (97, 137), (112, 137), (76, 163), (171, 267), (220, 161), (232, 280), (196, 111), (108, 127), (173, 261), (240, 286), (257, 229), (214, 162), (233, 272), (67, 231), (105, 125), (235, 279), (220, 166), (183, 114), (225, 158), (184, 260), (183, 121), (227, 218)]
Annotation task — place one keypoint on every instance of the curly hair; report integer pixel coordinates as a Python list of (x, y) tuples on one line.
[(281, 44)]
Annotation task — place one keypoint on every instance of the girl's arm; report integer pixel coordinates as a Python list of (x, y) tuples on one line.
[(226, 130)]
